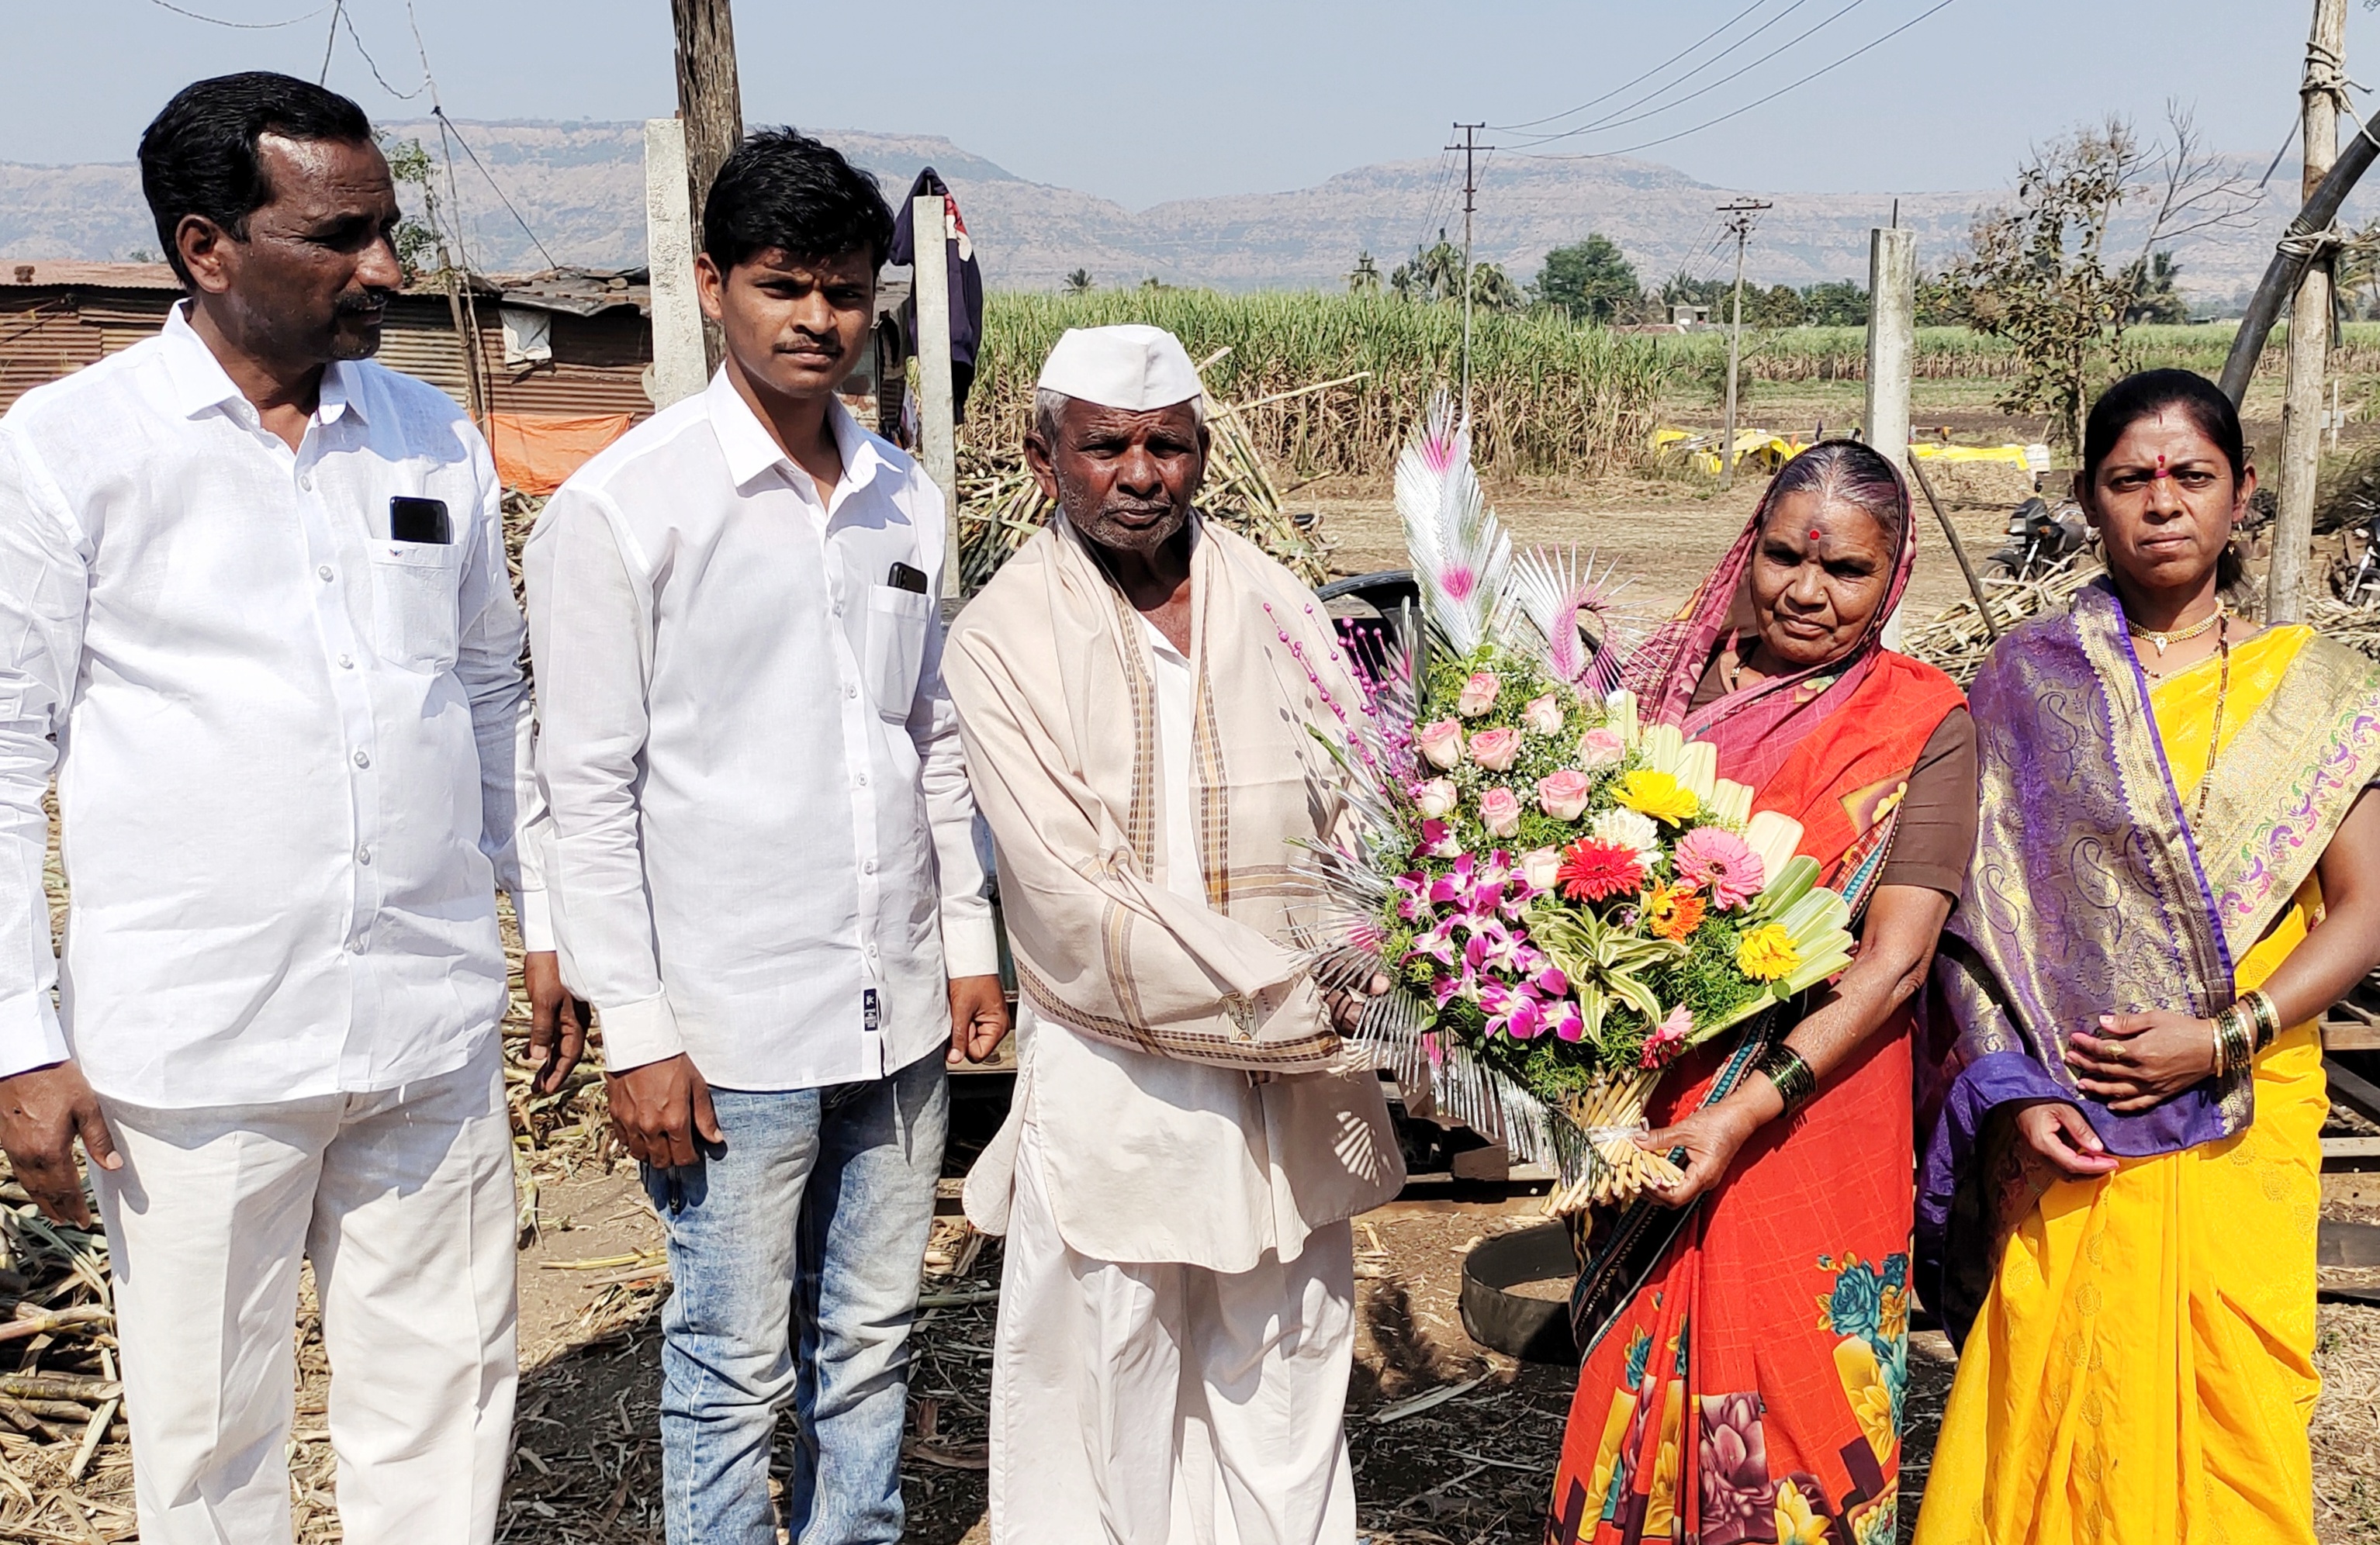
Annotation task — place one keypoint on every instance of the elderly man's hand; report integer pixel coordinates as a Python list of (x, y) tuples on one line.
[(41, 1113)]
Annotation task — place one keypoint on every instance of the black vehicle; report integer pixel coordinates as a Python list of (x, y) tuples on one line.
[(2039, 540)]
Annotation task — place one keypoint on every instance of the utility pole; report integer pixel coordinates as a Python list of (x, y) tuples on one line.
[(712, 105), (1739, 222), (2325, 84), (1470, 148)]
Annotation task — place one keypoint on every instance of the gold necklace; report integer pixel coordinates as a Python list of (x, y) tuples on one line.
[(2222, 693), (2180, 635)]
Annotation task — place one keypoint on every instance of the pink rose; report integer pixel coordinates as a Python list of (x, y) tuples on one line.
[(1494, 749), (1440, 742), (1563, 795), (1499, 810), (1600, 748), (1543, 715), (1537, 867), (1479, 694), (1437, 798)]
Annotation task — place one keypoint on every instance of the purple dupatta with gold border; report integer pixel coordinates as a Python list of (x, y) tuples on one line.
[(2091, 893)]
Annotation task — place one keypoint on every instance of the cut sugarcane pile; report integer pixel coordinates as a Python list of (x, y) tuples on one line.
[(65, 1463)]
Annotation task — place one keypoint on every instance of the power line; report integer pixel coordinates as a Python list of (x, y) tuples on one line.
[(440, 114), (1758, 101), (240, 26), (338, 9), (339, 14), (1550, 117), (1614, 119)]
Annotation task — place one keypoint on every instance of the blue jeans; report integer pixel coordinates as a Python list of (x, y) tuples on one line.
[(796, 1250)]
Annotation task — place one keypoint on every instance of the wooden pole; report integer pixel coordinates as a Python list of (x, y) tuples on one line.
[(937, 435), (475, 399), (712, 105), (2308, 349), (681, 366), (1958, 550)]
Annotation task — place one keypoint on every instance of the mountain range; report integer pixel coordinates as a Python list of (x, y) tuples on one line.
[(573, 193)]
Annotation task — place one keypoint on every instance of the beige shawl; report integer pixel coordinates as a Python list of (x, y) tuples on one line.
[(1056, 695)]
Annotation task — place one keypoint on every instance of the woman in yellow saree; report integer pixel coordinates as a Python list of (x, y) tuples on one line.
[(2175, 873)]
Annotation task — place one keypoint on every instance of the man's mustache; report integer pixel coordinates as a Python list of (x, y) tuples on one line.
[(356, 304)]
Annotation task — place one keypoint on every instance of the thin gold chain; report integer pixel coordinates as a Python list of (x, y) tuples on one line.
[(2222, 694), (2178, 635)]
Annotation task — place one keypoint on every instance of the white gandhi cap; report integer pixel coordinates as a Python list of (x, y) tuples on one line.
[(1130, 366)]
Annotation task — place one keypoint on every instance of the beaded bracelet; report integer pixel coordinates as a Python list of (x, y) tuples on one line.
[(1795, 1079)]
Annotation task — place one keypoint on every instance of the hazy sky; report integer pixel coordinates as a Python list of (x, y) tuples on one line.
[(1143, 102)]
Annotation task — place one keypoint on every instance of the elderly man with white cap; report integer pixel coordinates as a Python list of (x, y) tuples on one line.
[(1141, 692)]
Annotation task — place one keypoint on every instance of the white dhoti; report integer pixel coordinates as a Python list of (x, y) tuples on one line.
[(1138, 1403)]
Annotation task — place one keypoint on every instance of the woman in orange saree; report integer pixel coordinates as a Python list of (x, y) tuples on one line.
[(1745, 1335)]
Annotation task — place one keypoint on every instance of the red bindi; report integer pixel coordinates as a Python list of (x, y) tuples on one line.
[(1817, 534)]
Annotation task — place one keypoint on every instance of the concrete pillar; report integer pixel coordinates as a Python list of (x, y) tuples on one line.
[(679, 367), (1891, 349)]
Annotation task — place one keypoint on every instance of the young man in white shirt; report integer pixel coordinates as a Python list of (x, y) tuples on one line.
[(253, 584), (765, 877)]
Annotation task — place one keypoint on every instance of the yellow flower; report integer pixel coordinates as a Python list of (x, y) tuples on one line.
[(1673, 912), (1660, 795), (1796, 1525), (1864, 1387), (1766, 953), (1892, 1314)]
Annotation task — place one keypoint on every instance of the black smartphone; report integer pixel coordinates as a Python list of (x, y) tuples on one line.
[(418, 520), (904, 577)]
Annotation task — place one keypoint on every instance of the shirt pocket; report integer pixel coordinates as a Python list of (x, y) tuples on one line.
[(417, 603), (897, 621)]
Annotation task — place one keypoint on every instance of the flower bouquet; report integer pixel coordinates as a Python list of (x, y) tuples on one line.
[(1564, 900)]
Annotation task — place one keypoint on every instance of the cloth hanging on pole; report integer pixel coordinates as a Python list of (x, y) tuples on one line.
[(966, 285)]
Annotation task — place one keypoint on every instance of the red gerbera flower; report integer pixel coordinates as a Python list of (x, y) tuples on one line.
[(1591, 871)]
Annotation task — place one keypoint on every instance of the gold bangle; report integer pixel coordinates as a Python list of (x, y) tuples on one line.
[(2214, 1030), (1792, 1076), (2238, 1029)]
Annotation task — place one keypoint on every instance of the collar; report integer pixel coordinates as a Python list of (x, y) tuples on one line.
[(751, 449), (200, 382)]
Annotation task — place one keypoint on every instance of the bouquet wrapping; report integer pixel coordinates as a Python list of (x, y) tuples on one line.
[(1563, 901)]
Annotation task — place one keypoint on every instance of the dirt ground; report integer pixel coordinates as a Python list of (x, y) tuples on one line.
[(1473, 1469)]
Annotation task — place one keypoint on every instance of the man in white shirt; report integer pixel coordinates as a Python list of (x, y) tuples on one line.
[(764, 875), (253, 584), (1144, 695)]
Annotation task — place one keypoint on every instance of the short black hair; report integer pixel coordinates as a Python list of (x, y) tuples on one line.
[(199, 155), (783, 189)]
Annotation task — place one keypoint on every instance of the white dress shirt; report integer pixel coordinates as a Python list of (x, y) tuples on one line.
[(763, 845), (286, 746)]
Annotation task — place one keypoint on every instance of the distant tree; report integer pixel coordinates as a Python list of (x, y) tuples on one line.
[(1591, 279), (1778, 306), (1492, 289), (415, 240), (1837, 303), (143, 255), (2038, 274), (1365, 277), (2155, 297), (1079, 282), (1685, 289)]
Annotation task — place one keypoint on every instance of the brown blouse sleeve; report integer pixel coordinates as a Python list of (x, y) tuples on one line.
[(1937, 835)]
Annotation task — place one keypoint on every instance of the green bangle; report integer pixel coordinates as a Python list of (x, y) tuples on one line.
[(2267, 1013), (1792, 1076)]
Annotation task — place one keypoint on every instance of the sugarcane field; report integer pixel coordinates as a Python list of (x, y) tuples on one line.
[(1575, 775)]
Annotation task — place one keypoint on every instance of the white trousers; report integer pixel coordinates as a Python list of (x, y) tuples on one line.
[(1166, 1405), (404, 1201)]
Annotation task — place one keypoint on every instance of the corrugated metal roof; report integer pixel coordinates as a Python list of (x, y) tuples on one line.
[(112, 277)]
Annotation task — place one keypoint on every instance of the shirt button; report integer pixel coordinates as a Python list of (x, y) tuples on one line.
[(851, 691), (306, 481), (863, 781), (347, 662), (362, 760), (326, 572), (363, 855), (869, 866)]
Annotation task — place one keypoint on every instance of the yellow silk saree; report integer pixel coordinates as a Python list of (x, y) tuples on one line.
[(2141, 1369)]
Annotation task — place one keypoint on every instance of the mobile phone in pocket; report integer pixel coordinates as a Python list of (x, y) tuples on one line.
[(418, 520)]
